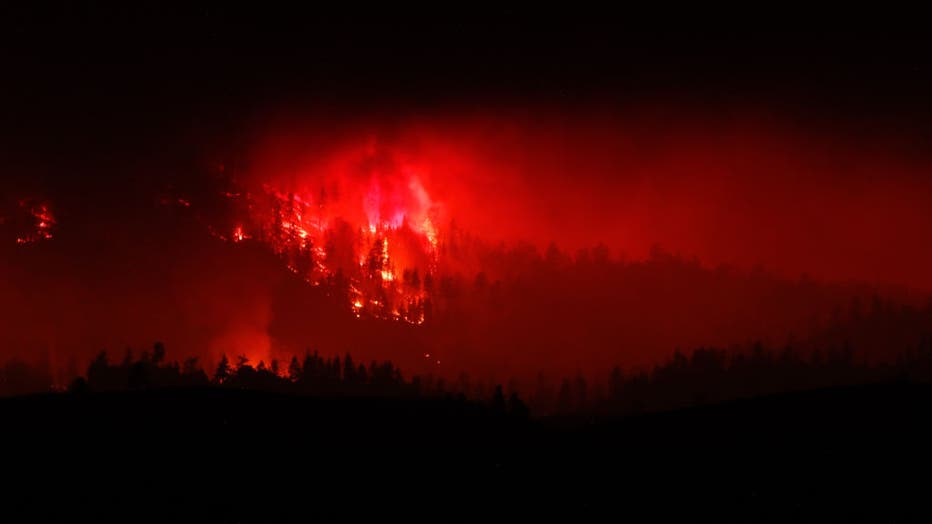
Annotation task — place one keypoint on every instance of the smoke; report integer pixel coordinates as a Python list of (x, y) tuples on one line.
[(741, 189), (747, 190)]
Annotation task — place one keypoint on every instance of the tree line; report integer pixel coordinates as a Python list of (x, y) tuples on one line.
[(703, 376), (310, 375)]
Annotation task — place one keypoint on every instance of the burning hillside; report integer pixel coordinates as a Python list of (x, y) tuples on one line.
[(369, 228), (423, 244), (30, 221)]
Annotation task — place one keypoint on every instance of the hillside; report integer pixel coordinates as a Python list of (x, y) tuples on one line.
[(211, 453)]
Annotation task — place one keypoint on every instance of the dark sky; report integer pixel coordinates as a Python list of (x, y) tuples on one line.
[(84, 74), (156, 59)]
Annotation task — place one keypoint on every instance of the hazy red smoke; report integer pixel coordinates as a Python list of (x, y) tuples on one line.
[(740, 190)]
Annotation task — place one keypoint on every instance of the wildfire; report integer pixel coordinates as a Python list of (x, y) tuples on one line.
[(431, 233), (383, 225), (238, 234), (387, 274), (43, 223)]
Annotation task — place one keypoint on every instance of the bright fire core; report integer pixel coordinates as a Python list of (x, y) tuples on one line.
[(368, 227)]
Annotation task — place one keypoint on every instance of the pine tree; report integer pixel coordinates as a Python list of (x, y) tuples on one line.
[(223, 370), (294, 370)]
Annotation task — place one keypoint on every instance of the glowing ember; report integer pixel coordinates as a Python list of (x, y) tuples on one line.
[(43, 220), (238, 234)]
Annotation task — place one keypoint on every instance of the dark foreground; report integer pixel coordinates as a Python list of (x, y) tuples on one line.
[(844, 454)]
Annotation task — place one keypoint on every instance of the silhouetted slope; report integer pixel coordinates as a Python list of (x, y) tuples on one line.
[(246, 414), (224, 454)]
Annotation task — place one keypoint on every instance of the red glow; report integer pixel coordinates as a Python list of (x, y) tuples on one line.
[(745, 191), (430, 201), (43, 223), (370, 220), (433, 238), (238, 234)]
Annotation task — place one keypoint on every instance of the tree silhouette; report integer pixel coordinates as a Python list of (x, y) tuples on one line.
[(223, 370), (158, 353), (517, 407), (498, 399)]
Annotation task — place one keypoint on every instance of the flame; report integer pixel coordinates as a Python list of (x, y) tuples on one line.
[(387, 274), (43, 223), (391, 220), (238, 234)]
